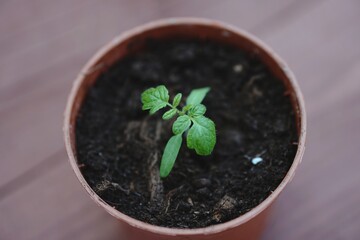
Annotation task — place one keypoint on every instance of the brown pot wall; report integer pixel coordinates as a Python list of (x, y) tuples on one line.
[(250, 230), (247, 226)]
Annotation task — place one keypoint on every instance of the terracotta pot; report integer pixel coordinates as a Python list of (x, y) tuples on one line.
[(247, 226)]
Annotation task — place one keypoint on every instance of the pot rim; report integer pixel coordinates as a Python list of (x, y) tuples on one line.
[(177, 231)]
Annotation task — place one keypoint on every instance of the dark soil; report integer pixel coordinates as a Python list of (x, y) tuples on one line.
[(119, 145)]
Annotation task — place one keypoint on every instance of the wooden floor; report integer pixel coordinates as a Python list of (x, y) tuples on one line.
[(44, 43)]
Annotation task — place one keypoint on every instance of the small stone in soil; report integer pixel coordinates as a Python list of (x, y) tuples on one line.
[(226, 203), (238, 68), (256, 160), (189, 200), (201, 182)]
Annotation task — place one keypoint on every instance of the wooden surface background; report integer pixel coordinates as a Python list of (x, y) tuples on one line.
[(44, 43)]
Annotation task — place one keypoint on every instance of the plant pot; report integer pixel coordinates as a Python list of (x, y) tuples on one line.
[(247, 226)]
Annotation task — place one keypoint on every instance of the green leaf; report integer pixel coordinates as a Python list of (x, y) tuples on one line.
[(154, 99), (202, 136), (197, 110), (197, 96), (169, 156), (177, 100), (187, 107), (169, 114), (181, 124)]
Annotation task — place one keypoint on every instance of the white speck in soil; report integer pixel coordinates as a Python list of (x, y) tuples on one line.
[(238, 68), (256, 160)]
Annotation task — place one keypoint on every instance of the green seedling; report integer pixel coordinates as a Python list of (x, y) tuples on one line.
[(199, 130)]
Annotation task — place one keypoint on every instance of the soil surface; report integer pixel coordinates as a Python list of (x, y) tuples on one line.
[(119, 146)]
